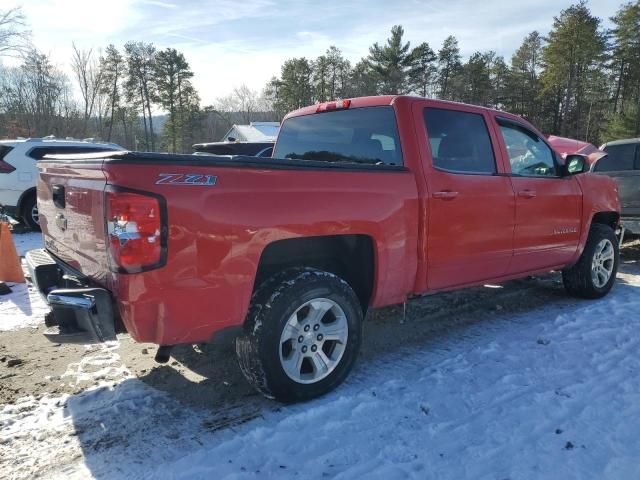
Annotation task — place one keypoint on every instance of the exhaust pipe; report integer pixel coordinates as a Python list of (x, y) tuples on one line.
[(164, 353)]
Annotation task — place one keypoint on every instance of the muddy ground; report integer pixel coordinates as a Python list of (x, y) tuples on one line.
[(208, 375)]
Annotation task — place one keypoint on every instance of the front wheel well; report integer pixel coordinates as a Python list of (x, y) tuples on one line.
[(612, 219), (351, 257)]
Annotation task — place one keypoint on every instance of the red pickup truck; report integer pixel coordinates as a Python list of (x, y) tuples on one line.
[(366, 202)]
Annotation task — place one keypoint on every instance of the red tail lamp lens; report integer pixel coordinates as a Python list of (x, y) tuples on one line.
[(134, 225), (5, 167)]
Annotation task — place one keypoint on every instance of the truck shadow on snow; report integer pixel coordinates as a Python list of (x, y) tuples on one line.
[(208, 376), (145, 418)]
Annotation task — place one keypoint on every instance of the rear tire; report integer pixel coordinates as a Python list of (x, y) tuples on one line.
[(302, 335), (595, 272), (30, 212)]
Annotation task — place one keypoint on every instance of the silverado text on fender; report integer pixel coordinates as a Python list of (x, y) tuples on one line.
[(366, 202)]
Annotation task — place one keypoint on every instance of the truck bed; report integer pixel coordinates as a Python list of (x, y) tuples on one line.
[(221, 214)]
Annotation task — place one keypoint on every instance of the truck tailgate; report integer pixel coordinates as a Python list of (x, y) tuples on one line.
[(71, 209)]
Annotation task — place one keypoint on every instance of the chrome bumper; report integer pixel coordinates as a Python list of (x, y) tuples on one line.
[(78, 315)]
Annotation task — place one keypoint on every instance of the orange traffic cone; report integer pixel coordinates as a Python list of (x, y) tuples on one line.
[(10, 268)]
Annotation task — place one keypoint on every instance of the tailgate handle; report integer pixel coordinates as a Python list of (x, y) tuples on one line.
[(58, 195)]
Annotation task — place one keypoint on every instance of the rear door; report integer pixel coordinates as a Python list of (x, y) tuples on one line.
[(470, 205), (548, 205), (71, 208), (623, 164)]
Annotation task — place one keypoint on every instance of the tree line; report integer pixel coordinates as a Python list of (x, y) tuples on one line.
[(120, 91), (578, 80)]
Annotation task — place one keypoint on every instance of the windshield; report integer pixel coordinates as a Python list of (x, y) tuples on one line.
[(361, 135)]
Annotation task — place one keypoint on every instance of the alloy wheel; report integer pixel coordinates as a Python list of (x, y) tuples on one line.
[(602, 263), (313, 340)]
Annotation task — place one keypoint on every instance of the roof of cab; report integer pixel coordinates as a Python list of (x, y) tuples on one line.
[(380, 100), (357, 102), (624, 141)]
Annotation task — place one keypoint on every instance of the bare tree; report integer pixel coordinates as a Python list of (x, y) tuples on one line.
[(243, 100), (14, 36), (88, 73), (247, 100), (39, 95)]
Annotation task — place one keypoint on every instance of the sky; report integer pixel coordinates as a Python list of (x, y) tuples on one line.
[(230, 43)]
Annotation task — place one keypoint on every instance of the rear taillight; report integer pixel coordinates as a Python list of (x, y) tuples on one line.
[(4, 166), (136, 229)]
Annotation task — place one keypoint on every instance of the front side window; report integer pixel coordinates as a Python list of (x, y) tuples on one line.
[(619, 158), (360, 135), (528, 154), (459, 141)]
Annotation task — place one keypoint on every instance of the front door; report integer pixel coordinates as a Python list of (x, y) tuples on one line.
[(548, 205), (470, 205)]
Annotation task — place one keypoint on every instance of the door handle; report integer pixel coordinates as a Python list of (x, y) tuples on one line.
[(445, 195), (527, 193)]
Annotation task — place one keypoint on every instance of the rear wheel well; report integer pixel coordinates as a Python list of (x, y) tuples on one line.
[(348, 256), (611, 219)]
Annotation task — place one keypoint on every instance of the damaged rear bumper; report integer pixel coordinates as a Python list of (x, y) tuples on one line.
[(80, 313)]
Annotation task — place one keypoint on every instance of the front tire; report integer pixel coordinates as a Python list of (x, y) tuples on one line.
[(302, 335), (30, 212), (595, 272)]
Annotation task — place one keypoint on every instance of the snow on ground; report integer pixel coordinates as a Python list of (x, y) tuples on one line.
[(547, 394), (27, 241), (551, 393), (121, 414), (24, 306)]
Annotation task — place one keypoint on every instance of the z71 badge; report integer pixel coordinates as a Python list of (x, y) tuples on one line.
[(186, 179)]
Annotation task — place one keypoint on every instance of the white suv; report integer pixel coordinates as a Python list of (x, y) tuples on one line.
[(19, 170)]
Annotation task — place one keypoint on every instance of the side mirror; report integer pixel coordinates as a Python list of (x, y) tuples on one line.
[(574, 164)]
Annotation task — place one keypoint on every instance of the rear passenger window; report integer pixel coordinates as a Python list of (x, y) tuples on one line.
[(366, 135), (459, 141), (619, 158)]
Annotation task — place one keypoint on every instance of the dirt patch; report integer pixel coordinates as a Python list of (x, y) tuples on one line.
[(31, 365)]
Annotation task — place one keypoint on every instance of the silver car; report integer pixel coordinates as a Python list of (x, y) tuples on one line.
[(623, 163)]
